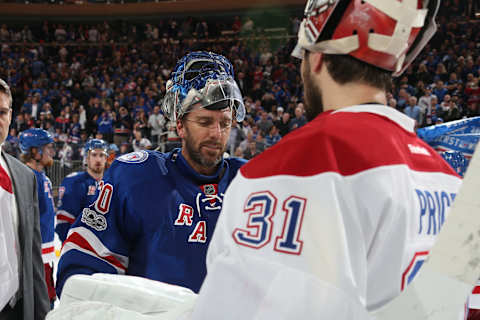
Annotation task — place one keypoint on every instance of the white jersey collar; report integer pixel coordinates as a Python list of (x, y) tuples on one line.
[(396, 116)]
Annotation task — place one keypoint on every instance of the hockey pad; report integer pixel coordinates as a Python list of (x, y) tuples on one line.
[(440, 289), (94, 310), (132, 293)]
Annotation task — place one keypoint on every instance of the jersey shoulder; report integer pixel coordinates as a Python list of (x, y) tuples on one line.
[(235, 163), (75, 177), (74, 174), (346, 143), (137, 166), (40, 176)]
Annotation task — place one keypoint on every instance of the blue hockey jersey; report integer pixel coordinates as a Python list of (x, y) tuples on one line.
[(154, 217), (77, 191), (47, 216)]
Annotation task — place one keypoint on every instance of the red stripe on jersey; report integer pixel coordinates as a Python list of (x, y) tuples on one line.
[(346, 143), (77, 239), (48, 250), (476, 290), (65, 218)]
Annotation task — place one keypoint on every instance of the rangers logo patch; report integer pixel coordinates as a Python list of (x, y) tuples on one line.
[(134, 157)]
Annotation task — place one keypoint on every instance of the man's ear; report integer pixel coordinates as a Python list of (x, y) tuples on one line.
[(316, 61), (35, 152), (180, 129)]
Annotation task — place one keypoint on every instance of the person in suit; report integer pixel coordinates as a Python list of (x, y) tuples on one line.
[(23, 293)]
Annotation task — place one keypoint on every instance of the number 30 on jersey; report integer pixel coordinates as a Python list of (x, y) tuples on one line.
[(261, 208)]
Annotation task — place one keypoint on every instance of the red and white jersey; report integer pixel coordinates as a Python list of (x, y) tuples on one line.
[(334, 220), (472, 306)]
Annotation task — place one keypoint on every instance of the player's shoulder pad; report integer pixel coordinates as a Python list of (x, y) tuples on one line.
[(74, 177), (73, 174), (134, 157), (133, 166)]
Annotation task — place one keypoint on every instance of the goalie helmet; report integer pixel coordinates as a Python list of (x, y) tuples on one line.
[(203, 78), (388, 34)]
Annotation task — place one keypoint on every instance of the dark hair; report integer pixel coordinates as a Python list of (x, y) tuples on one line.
[(4, 88), (345, 69), (30, 155)]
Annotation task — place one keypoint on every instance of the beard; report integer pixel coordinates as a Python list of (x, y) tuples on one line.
[(96, 169), (312, 94), (209, 161)]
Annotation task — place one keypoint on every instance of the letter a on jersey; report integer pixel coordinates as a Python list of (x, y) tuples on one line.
[(199, 234)]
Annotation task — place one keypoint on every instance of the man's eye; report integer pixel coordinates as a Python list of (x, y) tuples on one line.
[(204, 123)]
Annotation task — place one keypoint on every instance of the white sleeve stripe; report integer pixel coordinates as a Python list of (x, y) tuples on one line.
[(65, 213), (72, 246), (48, 257), (97, 245), (47, 245)]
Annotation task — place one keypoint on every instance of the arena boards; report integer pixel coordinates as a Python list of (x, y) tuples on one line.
[(440, 289)]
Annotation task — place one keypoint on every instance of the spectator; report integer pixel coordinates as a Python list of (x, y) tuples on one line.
[(403, 98), (284, 124), (105, 125), (173, 140), (139, 142), (260, 142), (251, 151), (236, 137), (413, 110), (60, 33), (392, 102), (123, 126), (450, 109), (264, 123), (272, 137), (156, 123), (440, 91), (299, 119)]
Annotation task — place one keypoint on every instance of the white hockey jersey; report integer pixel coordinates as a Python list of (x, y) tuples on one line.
[(335, 219)]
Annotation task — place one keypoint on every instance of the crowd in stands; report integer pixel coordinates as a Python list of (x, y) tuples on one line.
[(107, 80)]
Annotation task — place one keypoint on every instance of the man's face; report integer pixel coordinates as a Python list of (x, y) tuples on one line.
[(48, 151), (205, 134), (5, 116), (96, 160), (311, 92)]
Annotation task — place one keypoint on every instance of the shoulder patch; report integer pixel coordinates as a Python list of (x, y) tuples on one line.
[(73, 174), (134, 157), (94, 220)]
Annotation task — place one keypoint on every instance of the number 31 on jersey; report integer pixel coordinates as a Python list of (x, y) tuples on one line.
[(261, 208)]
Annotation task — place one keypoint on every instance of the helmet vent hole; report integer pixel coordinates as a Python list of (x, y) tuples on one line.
[(362, 2), (371, 31)]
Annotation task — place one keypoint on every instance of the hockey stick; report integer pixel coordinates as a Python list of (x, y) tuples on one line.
[(440, 289)]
